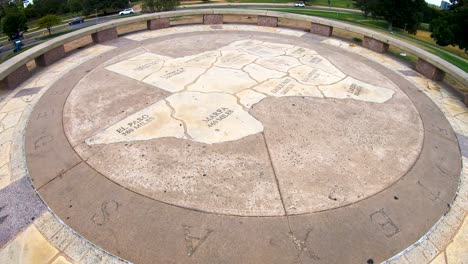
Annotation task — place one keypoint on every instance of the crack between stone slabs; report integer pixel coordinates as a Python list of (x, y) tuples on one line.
[(173, 112), (72, 167), (60, 175), (274, 174), (281, 197), (201, 74)]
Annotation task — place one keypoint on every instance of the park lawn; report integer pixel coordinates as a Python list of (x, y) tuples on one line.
[(421, 40)]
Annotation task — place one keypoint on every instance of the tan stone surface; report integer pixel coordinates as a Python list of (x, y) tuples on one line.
[(61, 260), (5, 176), (30, 247), (440, 259), (457, 251), (355, 89)]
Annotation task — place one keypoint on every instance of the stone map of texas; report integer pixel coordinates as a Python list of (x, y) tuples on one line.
[(214, 90)]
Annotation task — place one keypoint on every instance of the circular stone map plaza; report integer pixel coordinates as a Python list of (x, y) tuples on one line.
[(230, 144)]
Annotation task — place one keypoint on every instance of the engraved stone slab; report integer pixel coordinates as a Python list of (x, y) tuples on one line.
[(215, 88), (153, 121), (354, 89)]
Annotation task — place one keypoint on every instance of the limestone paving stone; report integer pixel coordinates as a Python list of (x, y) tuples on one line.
[(139, 67), (456, 251), (234, 59), (261, 74), (5, 175), (61, 260), (29, 247), (287, 87), (352, 88), (280, 63), (440, 259)]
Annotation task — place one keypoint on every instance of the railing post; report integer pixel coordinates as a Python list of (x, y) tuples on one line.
[(429, 70), (266, 21), (105, 35), (158, 23), (51, 56), (375, 45), (213, 19), (16, 77), (320, 29)]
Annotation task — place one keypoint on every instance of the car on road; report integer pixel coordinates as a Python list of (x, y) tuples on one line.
[(127, 11), (299, 4), (77, 20)]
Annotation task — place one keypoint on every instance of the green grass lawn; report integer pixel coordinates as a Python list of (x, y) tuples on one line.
[(353, 18)]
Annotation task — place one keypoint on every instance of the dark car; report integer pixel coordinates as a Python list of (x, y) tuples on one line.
[(77, 20)]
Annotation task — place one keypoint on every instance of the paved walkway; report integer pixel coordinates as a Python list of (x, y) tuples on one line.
[(31, 233)]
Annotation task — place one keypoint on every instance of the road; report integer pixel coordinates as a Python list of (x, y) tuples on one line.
[(32, 37), (260, 6)]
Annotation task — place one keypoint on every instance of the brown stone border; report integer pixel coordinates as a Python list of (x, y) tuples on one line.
[(375, 228)]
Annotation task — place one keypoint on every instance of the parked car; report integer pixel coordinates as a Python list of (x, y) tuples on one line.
[(127, 11), (77, 20), (17, 36), (299, 4)]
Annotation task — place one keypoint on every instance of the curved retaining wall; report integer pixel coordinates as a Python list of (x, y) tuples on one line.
[(14, 71)]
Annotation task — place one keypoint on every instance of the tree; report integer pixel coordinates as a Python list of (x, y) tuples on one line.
[(406, 14), (159, 5), (89, 6), (49, 7), (13, 22), (75, 5), (450, 27), (367, 6), (48, 22)]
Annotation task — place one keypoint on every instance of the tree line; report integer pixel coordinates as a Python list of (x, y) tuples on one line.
[(449, 27), (14, 16)]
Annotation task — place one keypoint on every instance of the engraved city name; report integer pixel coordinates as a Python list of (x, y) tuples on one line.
[(135, 124), (354, 89), (312, 75), (284, 86), (217, 116), (146, 65), (203, 57), (232, 58), (173, 73), (315, 60)]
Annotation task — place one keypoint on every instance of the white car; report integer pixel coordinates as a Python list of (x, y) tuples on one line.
[(127, 11), (299, 4)]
